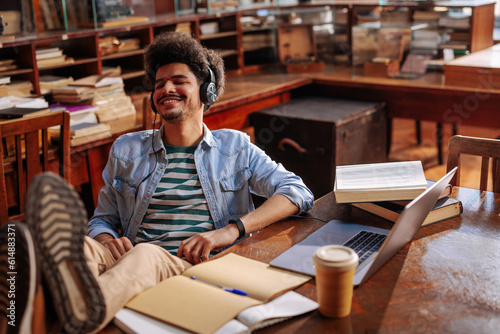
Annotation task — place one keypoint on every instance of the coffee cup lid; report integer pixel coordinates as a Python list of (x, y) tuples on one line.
[(337, 256)]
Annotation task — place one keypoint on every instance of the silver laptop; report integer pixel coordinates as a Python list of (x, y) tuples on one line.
[(383, 244)]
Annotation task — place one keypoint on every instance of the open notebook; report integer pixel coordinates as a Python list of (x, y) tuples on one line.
[(284, 307)]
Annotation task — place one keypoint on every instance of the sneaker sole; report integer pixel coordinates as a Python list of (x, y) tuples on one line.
[(17, 266), (57, 220)]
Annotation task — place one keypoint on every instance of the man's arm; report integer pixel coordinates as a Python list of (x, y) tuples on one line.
[(197, 248)]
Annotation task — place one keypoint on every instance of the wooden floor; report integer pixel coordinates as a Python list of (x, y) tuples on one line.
[(404, 147)]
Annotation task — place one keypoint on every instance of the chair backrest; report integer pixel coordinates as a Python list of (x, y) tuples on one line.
[(29, 159), (483, 147)]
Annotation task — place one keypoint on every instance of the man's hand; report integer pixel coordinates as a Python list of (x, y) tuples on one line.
[(197, 248), (118, 247)]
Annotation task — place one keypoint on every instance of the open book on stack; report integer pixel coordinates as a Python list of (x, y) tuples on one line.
[(203, 298), (390, 181), (446, 207)]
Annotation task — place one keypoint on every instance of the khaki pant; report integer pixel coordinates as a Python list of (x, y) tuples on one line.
[(139, 269)]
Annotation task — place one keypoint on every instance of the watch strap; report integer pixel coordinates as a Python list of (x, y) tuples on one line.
[(241, 227)]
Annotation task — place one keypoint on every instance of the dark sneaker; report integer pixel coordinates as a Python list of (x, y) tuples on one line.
[(57, 220), (19, 278)]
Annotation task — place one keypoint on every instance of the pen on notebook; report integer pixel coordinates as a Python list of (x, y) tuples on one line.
[(235, 291)]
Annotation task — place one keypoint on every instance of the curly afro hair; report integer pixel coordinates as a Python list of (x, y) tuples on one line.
[(176, 47)]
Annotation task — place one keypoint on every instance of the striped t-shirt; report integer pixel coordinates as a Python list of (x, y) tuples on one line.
[(178, 208)]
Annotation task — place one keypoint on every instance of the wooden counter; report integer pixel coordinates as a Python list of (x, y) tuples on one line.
[(475, 69)]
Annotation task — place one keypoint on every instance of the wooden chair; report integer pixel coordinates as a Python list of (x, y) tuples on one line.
[(16, 172), (483, 147)]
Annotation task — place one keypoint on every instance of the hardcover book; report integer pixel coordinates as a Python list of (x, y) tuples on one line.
[(15, 112), (445, 208)]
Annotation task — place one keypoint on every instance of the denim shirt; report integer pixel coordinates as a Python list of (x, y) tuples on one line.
[(229, 167)]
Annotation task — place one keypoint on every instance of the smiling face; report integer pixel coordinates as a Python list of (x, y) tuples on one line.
[(176, 95)]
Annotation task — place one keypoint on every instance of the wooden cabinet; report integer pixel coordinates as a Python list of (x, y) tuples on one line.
[(310, 136)]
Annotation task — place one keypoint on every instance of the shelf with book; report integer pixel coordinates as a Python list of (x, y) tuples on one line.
[(16, 66), (222, 34)]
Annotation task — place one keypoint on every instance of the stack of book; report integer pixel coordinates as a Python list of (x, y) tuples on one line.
[(83, 133), (385, 189), (72, 94), (22, 102), (104, 92), (429, 17), (397, 17), (46, 57), (111, 44), (184, 27), (7, 64), (49, 82), (78, 113), (20, 88)]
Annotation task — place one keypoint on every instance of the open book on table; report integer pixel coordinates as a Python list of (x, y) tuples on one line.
[(284, 307), (200, 307)]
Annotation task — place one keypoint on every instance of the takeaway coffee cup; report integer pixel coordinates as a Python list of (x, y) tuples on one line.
[(335, 266)]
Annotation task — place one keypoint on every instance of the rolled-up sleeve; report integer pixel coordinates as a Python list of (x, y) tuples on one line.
[(271, 178)]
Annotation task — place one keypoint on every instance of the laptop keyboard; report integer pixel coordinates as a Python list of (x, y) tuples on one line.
[(366, 245)]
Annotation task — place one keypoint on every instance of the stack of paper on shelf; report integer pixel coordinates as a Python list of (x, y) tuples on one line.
[(129, 44), (111, 44), (7, 64), (395, 18), (184, 27), (72, 94), (426, 39), (19, 88), (429, 17), (111, 71), (446, 207), (4, 80), (390, 181), (22, 102), (49, 82), (78, 113), (212, 305), (455, 20), (83, 133), (46, 57), (108, 45)]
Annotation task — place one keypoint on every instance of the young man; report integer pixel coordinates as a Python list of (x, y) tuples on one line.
[(171, 197)]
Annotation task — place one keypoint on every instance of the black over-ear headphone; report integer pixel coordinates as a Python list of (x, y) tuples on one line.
[(208, 92)]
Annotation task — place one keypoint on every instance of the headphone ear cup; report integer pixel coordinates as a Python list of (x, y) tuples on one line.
[(211, 93), (153, 107), (208, 93)]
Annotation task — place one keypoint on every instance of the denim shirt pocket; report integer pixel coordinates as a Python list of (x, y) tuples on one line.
[(235, 191), (126, 189)]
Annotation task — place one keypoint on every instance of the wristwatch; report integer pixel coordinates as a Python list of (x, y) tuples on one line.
[(239, 224)]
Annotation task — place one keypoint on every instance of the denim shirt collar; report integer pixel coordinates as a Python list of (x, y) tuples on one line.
[(208, 138)]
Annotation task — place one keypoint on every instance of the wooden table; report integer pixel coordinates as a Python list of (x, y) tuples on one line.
[(445, 280)]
